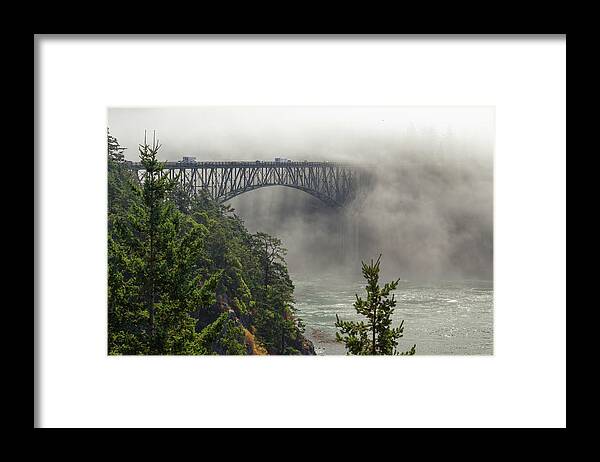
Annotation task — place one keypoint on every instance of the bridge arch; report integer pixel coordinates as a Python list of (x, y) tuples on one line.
[(328, 201), (333, 183)]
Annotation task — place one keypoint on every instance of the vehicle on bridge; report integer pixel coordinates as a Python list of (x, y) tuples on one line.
[(281, 160), (188, 160)]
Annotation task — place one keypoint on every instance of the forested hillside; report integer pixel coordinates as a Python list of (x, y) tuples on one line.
[(186, 277)]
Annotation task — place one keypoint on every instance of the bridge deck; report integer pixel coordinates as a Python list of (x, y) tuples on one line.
[(169, 165)]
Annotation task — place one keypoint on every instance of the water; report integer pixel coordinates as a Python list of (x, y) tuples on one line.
[(442, 318)]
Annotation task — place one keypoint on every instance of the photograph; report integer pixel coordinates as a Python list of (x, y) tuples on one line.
[(300, 230)]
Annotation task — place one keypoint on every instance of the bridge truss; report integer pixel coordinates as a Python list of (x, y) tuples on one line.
[(333, 183)]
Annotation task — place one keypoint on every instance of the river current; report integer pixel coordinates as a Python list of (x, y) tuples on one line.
[(441, 318)]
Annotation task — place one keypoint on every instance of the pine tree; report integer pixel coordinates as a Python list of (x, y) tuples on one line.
[(376, 336), (270, 251), (115, 150), (155, 271), (275, 320), (155, 191)]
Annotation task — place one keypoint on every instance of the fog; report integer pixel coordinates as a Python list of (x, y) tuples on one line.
[(429, 210)]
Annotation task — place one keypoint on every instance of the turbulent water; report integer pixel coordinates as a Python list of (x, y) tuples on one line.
[(441, 318)]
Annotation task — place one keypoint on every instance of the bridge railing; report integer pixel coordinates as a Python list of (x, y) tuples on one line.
[(244, 163)]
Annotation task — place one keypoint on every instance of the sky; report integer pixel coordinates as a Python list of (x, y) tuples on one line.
[(250, 133)]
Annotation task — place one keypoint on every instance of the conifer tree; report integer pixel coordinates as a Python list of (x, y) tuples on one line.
[(115, 150), (376, 336), (155, 278), (275, 319)]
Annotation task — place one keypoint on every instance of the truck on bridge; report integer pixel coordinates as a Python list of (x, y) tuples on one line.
[(188, 160)]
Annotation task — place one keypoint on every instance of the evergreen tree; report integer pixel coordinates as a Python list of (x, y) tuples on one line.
[(115, 150), (376, 336), (155, 277), (270, 251), (275, 320)]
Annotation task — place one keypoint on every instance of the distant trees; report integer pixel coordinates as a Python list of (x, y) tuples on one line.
[(376, 336)]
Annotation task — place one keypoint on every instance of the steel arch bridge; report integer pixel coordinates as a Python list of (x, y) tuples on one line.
[(334, 183)]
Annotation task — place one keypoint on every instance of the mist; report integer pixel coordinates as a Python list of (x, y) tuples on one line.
[(428, 210)]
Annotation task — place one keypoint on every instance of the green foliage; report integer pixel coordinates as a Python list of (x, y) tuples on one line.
[(154, 280), (276, 320), (184, 274), (375, 336), (225, 336), (115, 150)]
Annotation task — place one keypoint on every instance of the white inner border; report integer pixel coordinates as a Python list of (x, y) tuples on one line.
[(523, 384)]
